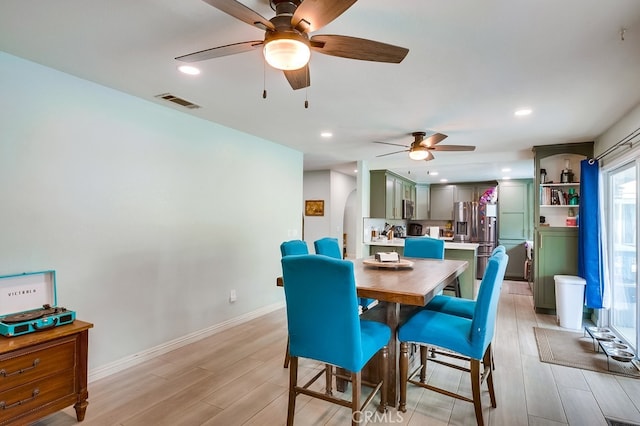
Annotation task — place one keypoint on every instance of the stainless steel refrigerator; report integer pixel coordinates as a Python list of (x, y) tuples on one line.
[(487, 226)]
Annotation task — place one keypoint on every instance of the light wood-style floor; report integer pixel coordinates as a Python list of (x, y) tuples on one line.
[(236, 378)]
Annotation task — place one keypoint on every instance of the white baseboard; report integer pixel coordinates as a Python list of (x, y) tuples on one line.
[(132, 360)]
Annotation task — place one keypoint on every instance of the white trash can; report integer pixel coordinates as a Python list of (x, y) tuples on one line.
[(569, 300)]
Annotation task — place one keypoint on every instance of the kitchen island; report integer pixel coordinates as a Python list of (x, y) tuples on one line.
[(452, 250)]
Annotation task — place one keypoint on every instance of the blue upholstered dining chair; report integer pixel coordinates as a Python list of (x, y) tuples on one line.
[(455, 305), (329, 246), (429, 248), (462, 338), (342, 339), (424, 247), (290, 248)]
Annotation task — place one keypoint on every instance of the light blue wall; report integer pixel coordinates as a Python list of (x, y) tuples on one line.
[(148, 215)]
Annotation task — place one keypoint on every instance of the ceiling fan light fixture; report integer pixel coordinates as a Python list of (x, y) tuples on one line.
[(418, 152), (287, 53)]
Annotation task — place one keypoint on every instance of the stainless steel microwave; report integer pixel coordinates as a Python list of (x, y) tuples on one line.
[(408, 208)]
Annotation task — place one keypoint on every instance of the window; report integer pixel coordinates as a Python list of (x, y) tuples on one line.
[(623, 234)]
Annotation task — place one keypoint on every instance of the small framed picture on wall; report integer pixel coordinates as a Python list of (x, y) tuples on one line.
[(314, 208)]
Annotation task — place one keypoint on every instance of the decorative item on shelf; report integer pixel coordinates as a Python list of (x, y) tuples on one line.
[(574, 198), (571, 218), (543, 176), (567, 175)]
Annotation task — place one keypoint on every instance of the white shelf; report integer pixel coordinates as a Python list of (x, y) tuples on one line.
[(560, 184), (560, 205)]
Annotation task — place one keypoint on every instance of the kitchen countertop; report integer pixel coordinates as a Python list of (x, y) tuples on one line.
[(399, 242)]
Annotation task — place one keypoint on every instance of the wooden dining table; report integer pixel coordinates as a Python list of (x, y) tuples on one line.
[(394, 287)]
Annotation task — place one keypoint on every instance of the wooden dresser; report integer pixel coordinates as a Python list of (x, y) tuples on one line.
[(43, 372)]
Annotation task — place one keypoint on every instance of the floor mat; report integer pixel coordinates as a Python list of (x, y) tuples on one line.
[(574, 349)]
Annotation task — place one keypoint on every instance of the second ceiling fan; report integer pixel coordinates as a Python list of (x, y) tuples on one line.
[(287, 45), (421, 147)]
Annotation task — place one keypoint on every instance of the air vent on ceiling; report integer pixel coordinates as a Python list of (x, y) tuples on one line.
[(176, 100)]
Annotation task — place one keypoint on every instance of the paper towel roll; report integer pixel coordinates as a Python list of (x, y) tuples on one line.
[(434, 231)]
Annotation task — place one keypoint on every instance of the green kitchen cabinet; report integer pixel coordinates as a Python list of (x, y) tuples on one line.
[(555, 243), (465, 192), (443, 197), (515, 222), (387, 191), (422, 202), (556, 253), (441, 202)]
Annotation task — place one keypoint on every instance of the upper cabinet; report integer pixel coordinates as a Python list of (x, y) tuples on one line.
[(441, 202), (443, 197), (387, 192), (422, 202)]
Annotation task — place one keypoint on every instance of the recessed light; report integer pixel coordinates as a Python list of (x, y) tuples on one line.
[(432, 173), (326, 134), (444, 180), (355, 171), (188, 69), (506, 170), (522, 112), (506, 178)]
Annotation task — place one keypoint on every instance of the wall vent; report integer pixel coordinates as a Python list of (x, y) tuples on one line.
[(176, 100)]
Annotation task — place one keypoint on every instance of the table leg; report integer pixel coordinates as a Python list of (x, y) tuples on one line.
[(392, 319)]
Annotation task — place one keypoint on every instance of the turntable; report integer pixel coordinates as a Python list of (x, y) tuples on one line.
[(20, 298)]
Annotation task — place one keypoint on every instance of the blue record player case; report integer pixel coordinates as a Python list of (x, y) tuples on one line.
[(28, 303)]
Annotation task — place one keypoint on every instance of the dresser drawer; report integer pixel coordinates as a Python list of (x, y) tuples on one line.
[(36, 362), (36, 395)]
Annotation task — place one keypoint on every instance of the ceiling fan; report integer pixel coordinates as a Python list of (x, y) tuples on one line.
[(287, 44), (420, 148)]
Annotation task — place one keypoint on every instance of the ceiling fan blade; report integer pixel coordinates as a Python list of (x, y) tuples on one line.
[(391, 153), (453, 148), (312, 15), (242, 12), (389, 143), (216, 52), (433, 139), (300, 78), (357, 48), (429, 157)]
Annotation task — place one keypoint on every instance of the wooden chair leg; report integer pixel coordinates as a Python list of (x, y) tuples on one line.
[(293, 382), (384, 373), (404, 375), (423, 362), (287, 357), (356, 385), (488, 361), (328, 379), (475, 390)]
